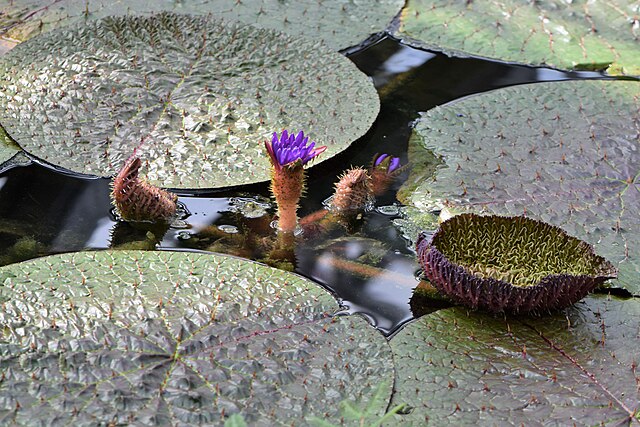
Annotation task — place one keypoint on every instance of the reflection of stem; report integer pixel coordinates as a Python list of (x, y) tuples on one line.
[(369, 271), (314, 217), (283, 254), (144, 236)]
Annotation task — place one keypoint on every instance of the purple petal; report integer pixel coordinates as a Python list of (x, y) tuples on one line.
[(395, 164), (380, 159)]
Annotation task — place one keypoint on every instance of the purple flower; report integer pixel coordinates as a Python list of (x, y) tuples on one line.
[(386, 162), (290, 150)]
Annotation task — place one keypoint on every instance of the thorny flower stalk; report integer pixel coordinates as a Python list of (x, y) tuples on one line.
[(288, 155)]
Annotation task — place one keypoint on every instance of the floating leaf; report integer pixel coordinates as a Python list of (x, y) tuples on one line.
[(194, 96), (339, 23), (8, 148), (566, 153), (132, 337), (456, 368), (513, 264), (569, 35)]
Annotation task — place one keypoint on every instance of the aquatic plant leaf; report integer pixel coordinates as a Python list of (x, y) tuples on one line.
[(363, 416), (599, 35), (194, 96), (338, 23), (162, 338), (8, 148), (513, 264), (565, 153), (577, 367)]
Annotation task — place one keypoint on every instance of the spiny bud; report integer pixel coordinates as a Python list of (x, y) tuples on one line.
[(353, 191), (137, 200)]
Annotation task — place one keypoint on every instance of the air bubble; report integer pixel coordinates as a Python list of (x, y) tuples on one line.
[(230, 229)]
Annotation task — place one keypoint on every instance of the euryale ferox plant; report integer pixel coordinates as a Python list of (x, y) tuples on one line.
[(140, 203)]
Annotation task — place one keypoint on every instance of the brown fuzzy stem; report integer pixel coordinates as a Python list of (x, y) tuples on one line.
[(381, 181), (287, 184)]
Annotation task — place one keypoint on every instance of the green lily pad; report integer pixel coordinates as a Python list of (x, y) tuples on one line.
[(133, 337), (195, 97), (339, 23), (8, 148), (579, 367), (569, 35), (566, 153)]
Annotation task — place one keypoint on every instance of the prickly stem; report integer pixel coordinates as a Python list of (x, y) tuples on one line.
[(287, 185)]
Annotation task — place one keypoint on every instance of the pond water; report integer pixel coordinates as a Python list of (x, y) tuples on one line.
[(367, 264)]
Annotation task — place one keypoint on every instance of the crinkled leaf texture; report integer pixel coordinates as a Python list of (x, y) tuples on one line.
[(339, 23), (573, 368), (194, 96), (567, 153), (562, 34), (162, 338)]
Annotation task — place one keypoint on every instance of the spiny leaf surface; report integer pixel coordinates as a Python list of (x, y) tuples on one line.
[(577, 367), (339, 23), (161, 338), (567, 153), (195, 97), (569, 35)]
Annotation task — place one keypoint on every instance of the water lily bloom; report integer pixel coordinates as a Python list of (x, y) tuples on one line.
[(288, 155), (383, 171), (290, 149), (387, 163)]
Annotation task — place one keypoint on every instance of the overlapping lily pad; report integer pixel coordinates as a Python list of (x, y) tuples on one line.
[(580, 367), (164, 338), (8, 148), (567, 153), (599, 35), (194, 96), (339, 23)]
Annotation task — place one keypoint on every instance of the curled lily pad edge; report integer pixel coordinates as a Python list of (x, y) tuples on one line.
[(552, 292)]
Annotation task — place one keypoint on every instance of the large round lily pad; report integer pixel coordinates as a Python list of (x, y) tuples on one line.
[(339, 23), (574, 368), (160, 338), (566, 153), (194, 96), (599, 35)]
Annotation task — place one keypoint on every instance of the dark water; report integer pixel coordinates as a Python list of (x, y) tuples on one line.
[(366, 263)]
